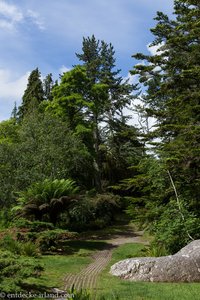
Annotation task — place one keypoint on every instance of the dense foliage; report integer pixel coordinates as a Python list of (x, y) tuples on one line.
[(15, 270), (171, 80), (69, 160)]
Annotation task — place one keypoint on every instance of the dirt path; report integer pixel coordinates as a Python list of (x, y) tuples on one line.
[(87, 278)]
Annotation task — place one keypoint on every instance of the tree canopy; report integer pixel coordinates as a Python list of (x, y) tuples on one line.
[(75, 129)]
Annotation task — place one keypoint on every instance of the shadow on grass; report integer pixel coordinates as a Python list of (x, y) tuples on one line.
[(112, 232), (73, 247)]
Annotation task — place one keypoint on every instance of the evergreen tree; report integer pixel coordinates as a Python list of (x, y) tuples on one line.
[(48, 85), (107, 93), (91, 98), (33, 95), (171, 79), (14, 112)]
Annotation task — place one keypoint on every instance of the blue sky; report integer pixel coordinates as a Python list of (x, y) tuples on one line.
[(47, 34)]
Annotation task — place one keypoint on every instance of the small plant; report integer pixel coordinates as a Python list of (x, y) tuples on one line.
[(33, 226), (156, 250), (10, 244), (30, 249), (79, 294)]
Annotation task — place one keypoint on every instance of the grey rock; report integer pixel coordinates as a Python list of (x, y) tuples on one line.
[(58, 291), (184, 266)]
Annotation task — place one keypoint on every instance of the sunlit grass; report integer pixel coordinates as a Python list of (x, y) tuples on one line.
[(111, 287), (114, 288)]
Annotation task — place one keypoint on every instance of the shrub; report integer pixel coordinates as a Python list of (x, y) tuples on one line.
[(54, 239), (17, 247), (155, 250), (79, 294), (14, 270), (33, 226), (30, 249), (172, 232), (10, 244), (95, 212), (105, 205), (45, 200)]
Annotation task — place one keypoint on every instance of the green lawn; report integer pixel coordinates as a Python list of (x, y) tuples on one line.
[(112, 287), (57, 266)]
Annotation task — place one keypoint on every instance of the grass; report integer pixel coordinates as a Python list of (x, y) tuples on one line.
[(113, 288), (58, 266)]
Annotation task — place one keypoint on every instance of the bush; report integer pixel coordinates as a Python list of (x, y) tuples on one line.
[(172, 232), (5, 218), (14, 270), (105, 205), (79, 294), (54, 239), (17, 247), (10, 244), (30, 249), (94, 212), (46, 200), (33, 226)]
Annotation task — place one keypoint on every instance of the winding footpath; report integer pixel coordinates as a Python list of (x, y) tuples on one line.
[(87, 278)]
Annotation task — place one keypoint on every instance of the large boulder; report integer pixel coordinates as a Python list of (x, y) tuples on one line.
[(184, 266)]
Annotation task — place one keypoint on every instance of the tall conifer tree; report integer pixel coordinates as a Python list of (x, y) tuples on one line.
[(172, 97), (107, 92), (33, 95)]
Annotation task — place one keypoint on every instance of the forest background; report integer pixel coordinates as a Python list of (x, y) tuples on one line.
[(70, 158)]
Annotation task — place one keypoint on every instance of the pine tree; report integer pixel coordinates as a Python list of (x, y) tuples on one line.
[(107, 92), (172, 96), (33, 95), (91, 97), (48, 85), (14, 112)]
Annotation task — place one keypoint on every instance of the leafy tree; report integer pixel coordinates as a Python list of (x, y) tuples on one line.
[(14, 112), (69, 98), (90, 95), (108, 93), (33, 95), (41, 147), (8, 140)]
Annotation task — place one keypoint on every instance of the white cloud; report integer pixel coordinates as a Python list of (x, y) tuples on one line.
[(6, 25), (36, 19), (12, 15), (9, 15), (10, 11), (155, 50), (12, 90), (132, 79), (64, 69)]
